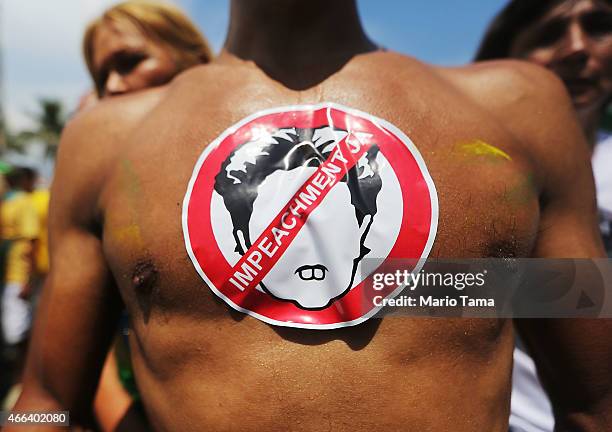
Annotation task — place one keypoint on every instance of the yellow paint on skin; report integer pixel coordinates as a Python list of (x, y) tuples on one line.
[(130, 178), (481, 148), (128, 233)]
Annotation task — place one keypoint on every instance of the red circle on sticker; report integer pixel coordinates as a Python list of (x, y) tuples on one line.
[(291, 210)]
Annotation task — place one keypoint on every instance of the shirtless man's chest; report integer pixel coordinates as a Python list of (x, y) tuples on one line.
[(231, 369)]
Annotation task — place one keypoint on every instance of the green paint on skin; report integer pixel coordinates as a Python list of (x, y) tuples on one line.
[(481, 148), (522, 192), (132, 183)]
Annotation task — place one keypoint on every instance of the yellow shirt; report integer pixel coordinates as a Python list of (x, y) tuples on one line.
[(40, 199), (19, 223)]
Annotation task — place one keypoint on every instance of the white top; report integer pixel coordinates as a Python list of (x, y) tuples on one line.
[(602, 171), (530, 409)]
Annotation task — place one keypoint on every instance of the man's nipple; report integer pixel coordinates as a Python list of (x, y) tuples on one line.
[(144, 277)]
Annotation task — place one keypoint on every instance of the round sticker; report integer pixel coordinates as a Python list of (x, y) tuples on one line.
[(289, 212)]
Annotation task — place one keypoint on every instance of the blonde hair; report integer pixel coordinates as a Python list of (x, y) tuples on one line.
[(158, 21)]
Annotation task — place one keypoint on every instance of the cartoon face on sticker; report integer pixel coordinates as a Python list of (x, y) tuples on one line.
[(284, 207), (320, 262)]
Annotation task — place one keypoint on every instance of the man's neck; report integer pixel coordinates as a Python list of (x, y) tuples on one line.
[(296, 42)]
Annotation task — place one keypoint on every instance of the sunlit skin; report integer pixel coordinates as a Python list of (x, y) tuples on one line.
[(574, 40), (125, 60), (200, 365)]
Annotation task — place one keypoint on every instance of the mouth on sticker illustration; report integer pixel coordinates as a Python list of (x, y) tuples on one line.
[(311, 272)]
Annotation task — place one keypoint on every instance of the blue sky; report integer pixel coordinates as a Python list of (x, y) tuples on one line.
[(444, 32), (41, 40)]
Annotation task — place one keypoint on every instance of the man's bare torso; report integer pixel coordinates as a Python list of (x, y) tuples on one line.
[(200, 364)]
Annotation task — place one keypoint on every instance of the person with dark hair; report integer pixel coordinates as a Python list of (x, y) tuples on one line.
[(573, 39), (29, 176), (471, 175)]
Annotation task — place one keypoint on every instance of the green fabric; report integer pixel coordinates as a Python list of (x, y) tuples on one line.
[(4, 167), (124, 365)]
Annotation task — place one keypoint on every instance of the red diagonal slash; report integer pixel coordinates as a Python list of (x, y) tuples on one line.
[(276, 238)]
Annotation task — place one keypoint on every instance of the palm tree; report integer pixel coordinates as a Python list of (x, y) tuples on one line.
[(50, 120)]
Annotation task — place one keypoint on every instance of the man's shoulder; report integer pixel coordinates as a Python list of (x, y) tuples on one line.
[(92, 141), (112, 117), (507, 85), (502, 88), (529, 101), (525, 99), (532, 104), (97, 133)]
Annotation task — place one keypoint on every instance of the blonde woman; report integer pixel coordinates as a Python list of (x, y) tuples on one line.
[(140, 44)]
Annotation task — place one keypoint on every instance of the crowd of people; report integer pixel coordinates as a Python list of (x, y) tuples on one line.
[(25, 263), (131, 357)]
